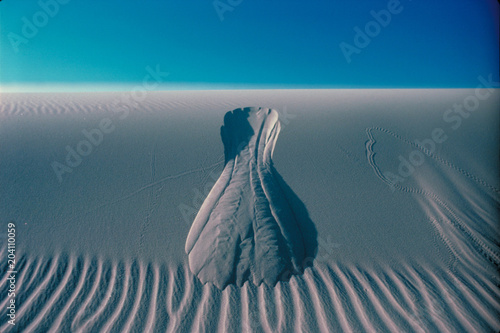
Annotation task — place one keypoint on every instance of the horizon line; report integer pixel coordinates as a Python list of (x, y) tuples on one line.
[(129, 87)]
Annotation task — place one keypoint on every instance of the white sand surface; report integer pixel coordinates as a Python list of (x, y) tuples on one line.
[(103, 195)]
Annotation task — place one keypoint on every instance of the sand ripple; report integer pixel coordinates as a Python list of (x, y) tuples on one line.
[(69, 293)]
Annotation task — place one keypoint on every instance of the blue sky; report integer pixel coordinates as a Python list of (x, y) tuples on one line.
[(94, 45)]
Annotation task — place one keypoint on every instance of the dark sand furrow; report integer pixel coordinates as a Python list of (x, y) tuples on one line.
[(488, 285), (250, 316), (149, 302), (135, 292), (430, 312), (386, 319), (480, 299), (230, 312), (63, 317), (333, 307), (313, 289), (389, 294), (54, 302), (207, 314), (453, 306), (180, 289), (93, 316), (78, 294), (24, 272), (162, 315), (267, 308), (42, 268), (290, 321), (304, 306), (224, 322), (368, 301), (338, 295), (83, 307), (28, 302), (280, 308), (182, 316), (121, 302), (359, 315)]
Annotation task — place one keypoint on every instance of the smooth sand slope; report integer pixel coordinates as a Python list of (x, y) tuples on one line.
[(395, 197)]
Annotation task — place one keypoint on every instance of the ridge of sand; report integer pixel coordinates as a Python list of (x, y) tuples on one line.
[(246, 228)]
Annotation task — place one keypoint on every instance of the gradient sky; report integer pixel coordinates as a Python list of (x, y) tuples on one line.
[(258, 44)]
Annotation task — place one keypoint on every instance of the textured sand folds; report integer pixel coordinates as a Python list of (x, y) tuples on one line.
[(46, 104), (246, 229), (462, 207), (35, 104), (84, 294), (107, 255)]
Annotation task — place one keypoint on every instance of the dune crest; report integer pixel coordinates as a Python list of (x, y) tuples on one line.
[(246, 229)]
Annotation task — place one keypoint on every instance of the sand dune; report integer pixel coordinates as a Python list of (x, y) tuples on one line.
[(246, 229), (391, 248)]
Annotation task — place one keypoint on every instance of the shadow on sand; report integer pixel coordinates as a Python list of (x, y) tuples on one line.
[(252, 225)]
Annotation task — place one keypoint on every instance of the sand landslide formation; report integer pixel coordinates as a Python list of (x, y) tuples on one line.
[(246, 228)]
